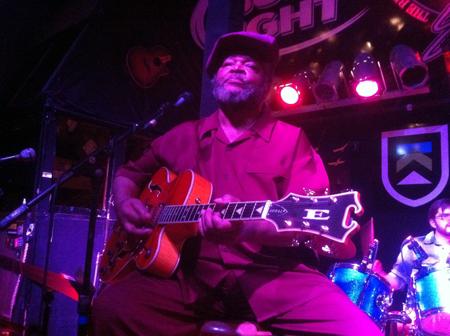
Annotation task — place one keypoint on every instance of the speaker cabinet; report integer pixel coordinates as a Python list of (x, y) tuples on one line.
[(66, 255)]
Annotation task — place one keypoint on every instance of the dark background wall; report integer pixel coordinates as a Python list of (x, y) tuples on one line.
[(76, 59)]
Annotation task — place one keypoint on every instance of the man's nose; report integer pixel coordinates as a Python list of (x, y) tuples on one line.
[(237, 68)]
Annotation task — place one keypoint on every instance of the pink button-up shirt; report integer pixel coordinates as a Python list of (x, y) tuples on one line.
[(267, 162)]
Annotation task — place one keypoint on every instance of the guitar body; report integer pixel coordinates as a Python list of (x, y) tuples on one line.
[(160, 253), (146, 66)]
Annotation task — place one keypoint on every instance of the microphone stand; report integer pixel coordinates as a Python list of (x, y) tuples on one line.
[(89, 163)]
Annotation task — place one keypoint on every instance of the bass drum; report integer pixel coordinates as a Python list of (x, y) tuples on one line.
[(367, 290), (432, 291)]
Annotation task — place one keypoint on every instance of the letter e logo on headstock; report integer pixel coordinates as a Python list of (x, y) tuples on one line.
[(317, 214)]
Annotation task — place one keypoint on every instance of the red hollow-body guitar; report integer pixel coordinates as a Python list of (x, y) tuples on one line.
[(175, 203)]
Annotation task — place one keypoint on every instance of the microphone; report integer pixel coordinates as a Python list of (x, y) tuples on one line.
[(13, 216), (184, 99), (417, 249), (26, 155)]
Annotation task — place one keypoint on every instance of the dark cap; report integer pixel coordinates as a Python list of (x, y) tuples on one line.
[(262, 47)]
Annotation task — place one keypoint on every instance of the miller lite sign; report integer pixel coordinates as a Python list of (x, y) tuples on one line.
[(415, 163)]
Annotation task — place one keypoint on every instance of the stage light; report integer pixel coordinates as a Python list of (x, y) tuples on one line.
[(367, 78), (326, 87), (408, 67), (289, 93), (294, 92), (304, 80)]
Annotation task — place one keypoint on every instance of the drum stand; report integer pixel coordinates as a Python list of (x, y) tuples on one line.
[(417, 329), (381, 302), (421, 271), (411, 302)]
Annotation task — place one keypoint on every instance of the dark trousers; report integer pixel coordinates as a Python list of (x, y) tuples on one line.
[(144, 305)]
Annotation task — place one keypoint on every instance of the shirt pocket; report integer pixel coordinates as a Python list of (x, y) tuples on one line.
[(269, 180), (268, 169)]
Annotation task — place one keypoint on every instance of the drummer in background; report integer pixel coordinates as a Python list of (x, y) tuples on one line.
[(436, 245)]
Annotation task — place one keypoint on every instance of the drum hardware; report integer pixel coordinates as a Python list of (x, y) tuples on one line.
[(418, 251), (369, 259), (370, 292), (400, 317), (367, 290), (384, 302), (371, 256)]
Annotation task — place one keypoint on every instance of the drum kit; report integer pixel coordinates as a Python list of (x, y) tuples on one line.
[(426, 311)]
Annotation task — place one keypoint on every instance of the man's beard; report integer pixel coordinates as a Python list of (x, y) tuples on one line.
[(249, 97)]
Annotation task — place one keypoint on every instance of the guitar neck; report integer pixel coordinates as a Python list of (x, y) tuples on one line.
[(232, 211)]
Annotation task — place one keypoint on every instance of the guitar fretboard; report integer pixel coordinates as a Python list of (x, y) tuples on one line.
[(232, 211)]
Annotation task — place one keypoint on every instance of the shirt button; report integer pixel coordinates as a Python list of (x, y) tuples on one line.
[(225, 176), (225, 249)]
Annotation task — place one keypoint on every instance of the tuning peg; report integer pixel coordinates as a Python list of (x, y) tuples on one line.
[(324, 229), (329, 250), (309, 192), (332, 200)]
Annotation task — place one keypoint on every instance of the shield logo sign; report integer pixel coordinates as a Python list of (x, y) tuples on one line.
[(415, 163)]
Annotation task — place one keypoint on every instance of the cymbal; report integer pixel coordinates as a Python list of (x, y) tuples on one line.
[(54, 281)]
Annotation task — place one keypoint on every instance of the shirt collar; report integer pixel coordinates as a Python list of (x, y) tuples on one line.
[(430, 238), (209, 124), (263, 126)]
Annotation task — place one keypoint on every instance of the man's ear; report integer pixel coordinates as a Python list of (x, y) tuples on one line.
[(433, 223)]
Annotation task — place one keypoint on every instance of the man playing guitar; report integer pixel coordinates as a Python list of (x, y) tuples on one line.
[(232, 269)]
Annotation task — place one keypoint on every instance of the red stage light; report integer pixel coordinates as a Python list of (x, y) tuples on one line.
[(289, 94), (367, 88), (367, 79)]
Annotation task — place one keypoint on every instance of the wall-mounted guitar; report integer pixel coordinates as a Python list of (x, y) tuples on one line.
[(147, 65), (176, 202)]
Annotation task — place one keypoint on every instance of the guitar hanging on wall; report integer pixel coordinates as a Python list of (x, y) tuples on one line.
[(175, 203), (147, 65)]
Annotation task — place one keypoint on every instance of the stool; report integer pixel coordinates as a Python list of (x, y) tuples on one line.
[(236, 328)]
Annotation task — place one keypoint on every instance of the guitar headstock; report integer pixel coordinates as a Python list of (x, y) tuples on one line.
[(326, 218)]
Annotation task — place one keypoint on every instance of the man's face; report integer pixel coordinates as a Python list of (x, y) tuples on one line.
[(441, 222), (241, 81)]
